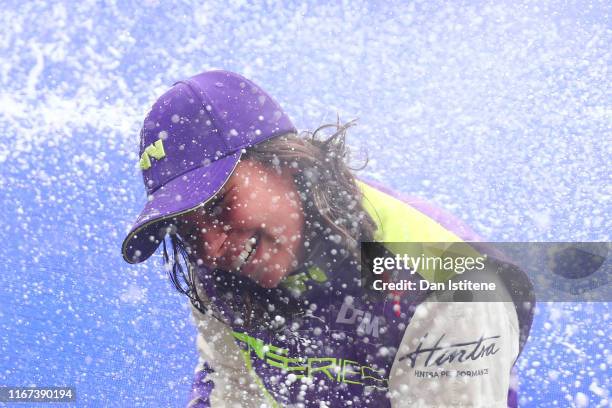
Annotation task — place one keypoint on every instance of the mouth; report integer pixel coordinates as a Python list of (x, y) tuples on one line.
[(250, 246)]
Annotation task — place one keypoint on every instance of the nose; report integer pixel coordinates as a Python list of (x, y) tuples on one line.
[(214, 238)]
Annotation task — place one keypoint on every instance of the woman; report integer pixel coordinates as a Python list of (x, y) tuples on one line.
[(265, 228)]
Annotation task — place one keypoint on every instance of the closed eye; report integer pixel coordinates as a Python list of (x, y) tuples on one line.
[(217, 205), (211, 205)]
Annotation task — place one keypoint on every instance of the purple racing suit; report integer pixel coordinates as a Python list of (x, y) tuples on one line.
[(331, 344)]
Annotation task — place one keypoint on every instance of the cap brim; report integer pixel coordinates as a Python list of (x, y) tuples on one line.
[(180, 195)]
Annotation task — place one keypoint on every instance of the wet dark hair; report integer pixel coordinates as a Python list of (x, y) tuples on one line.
[(334, 214), (331, 198)]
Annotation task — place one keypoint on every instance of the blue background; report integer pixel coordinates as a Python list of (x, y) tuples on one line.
[(501, 113)]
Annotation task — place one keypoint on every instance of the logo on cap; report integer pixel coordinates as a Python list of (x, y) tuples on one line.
[(154, 150)]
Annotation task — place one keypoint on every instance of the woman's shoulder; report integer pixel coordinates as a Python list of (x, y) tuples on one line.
[(422, 220)]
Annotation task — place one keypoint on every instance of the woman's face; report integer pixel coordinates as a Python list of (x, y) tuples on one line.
[(254, 227)]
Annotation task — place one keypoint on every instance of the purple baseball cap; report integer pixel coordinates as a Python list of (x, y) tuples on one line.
[(190, 143)]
